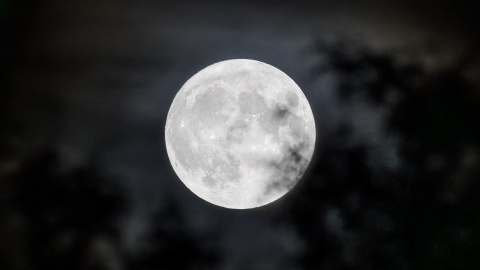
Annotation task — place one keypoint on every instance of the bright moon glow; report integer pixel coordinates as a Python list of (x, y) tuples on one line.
[(240, 134)]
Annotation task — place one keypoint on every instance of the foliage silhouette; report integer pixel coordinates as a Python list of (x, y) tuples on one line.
[(64, 215), (173, 245), (353, 214)]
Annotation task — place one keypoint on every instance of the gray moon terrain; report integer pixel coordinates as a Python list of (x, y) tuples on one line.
[(240, 134)]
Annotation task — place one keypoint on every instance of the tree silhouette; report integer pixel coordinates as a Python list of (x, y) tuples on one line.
[(354, 214), (173, 245), (64, 215), (438, 120)]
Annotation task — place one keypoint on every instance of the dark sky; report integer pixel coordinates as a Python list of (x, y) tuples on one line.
[(84, 93)]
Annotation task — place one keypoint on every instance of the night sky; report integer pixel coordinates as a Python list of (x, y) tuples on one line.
[(85, 180)]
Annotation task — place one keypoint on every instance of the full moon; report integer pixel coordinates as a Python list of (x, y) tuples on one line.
[(240, 134)]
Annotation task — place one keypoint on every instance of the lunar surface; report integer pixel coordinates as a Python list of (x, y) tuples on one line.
[(240, 134)]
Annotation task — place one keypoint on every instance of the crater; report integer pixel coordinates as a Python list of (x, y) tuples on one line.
[(271, 122), (208, 181), (236, 132), (251, 103), (280, 112), (297, 125), (206, 111), (292, 99)]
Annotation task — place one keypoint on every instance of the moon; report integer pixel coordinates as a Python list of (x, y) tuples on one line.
[(240, 134)]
